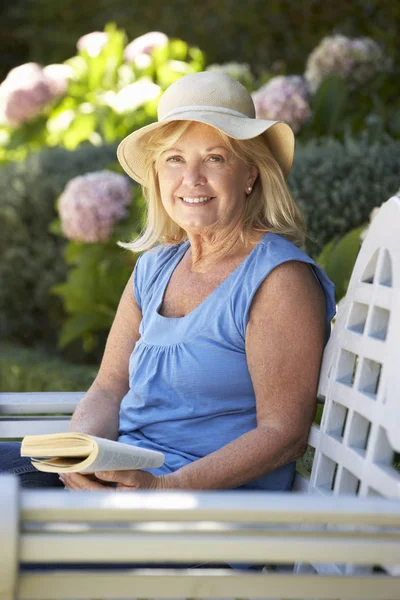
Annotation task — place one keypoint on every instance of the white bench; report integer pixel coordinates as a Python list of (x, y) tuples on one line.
[(341, 527)]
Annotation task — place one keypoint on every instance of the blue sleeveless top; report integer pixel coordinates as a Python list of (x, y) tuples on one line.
[(190, 387)]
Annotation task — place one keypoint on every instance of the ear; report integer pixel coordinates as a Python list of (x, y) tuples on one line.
[(253, 174)]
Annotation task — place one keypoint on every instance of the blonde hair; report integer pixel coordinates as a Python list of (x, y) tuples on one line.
[(269, 207)]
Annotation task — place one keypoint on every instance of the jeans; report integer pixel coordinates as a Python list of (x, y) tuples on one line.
[(12, 463)]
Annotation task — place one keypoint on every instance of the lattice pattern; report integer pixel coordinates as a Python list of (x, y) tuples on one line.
[(360, 428), (360, 378)]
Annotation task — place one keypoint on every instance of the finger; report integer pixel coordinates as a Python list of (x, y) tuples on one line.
[(75, 481), (111, 476), (125, 488), (133, 479)]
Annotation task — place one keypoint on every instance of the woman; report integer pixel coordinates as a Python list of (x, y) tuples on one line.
[(214, 354)]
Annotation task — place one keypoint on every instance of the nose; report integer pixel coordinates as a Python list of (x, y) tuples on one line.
[(194, 175)]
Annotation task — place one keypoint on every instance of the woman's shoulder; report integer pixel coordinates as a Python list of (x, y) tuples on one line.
[(278, 246)]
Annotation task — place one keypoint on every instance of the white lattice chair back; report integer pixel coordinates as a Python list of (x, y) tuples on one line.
[(360, 376)]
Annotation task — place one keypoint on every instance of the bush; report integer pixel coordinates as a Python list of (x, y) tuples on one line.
[(338, 184), (26, 370), (31, 259), (257, 32)]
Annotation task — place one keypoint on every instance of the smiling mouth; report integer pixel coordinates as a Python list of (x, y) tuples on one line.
[(197, 201)]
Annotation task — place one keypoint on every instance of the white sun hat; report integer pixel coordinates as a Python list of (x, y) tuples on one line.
[(215, 99)]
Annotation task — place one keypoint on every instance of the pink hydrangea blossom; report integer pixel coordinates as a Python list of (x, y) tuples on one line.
[(144, 44), (92, 42), (283, 99), (91, 204), (354, 60), (24, 93), (58, 77)]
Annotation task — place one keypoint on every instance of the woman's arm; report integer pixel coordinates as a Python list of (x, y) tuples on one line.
[(284, 344), (98, 411)]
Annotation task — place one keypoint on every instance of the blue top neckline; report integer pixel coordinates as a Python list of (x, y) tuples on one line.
[(178, 257)]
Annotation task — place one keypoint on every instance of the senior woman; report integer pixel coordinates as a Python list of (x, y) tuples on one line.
[(214, 354)]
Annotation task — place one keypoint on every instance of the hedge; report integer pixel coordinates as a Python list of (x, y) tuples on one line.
[(31, 259), (25, 369), (337, 185), (278, 33)]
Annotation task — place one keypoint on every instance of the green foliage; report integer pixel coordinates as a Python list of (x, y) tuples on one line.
[(338, 110), (327, 106), (338, 258), (278, 33), (31, 259), (31, 370), (96, 280), (92, 110), (338, 184)]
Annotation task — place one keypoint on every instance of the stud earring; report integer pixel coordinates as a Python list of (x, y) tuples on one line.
[(249, 189)]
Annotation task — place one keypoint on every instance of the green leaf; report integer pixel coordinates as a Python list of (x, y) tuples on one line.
[(341, 261), (324, 257), (79, 130), (328, 105), (77, 325), (55, 227)]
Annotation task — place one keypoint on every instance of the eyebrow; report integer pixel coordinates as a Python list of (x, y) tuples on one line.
[(207, 149)]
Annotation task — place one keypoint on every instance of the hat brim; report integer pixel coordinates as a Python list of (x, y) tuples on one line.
[(279, 137)]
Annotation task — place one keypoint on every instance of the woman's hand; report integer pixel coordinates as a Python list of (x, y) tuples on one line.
[(120, 481), (125, 481)]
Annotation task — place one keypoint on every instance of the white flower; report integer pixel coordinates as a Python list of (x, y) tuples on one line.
[(132, 96), (59, 76), (144, 44), (283, 99), (92, 42), (91, 204)]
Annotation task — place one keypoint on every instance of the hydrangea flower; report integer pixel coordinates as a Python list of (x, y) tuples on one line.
[(354, 60), (24, 93), (92, 42), (144, 45), (91, 204), (132, 96), (58, 77), (283, 99)]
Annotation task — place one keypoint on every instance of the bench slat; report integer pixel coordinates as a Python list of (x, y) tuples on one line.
[(30, 403), (17, 428), (203, 584), (243, 507), (138, 548)]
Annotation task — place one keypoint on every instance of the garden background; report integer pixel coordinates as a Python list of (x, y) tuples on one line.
[(67, 98)]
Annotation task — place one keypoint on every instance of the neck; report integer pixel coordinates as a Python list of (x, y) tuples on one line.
[(208, 249)]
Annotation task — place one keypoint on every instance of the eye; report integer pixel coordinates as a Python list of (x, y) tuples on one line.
[(217, 158), (174, 159)]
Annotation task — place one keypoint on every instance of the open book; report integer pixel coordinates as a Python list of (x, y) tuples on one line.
[(82, 453)]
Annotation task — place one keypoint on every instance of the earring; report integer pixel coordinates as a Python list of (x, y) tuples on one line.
[(249, 189)]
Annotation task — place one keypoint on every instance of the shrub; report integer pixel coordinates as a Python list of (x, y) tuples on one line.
[(27, 370), (257, 32), (31, 259), (338, 184)]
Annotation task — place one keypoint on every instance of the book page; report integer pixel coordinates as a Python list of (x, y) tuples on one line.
[(114, 456)]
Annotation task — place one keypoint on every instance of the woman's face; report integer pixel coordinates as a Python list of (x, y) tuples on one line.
[(203, 184)]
